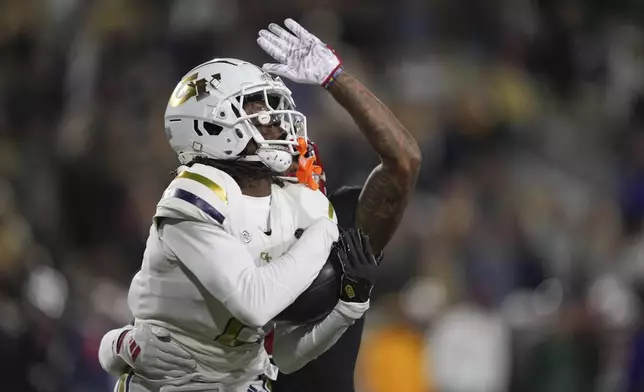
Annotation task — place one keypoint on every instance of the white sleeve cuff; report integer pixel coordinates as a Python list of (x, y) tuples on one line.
[(107, 355), (352, 310)]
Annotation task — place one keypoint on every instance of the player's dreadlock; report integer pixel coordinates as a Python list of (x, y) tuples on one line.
[(240, 171)]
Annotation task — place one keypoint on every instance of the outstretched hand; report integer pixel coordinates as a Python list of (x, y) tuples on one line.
[(301, 56)]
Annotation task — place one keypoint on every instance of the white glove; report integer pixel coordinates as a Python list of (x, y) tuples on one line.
[(149, 350), (303, 57)]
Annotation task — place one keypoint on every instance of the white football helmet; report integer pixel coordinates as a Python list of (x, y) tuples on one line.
[(205, 115)]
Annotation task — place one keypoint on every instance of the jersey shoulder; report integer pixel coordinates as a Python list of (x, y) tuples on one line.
[(202, 193), (309, 204)]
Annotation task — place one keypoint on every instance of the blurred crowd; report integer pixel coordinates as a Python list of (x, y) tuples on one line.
[(519, 265)]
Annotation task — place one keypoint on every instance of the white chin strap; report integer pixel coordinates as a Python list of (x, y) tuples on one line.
[(276, 159)]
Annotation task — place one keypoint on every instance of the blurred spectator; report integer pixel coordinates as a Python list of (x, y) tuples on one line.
[(392, 357), (470, 348), (567, 358)]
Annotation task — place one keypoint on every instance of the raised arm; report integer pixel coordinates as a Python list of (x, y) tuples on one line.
[(387, 190), (303, 58)]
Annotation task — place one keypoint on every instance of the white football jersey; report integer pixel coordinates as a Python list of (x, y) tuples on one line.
[(165, 293)]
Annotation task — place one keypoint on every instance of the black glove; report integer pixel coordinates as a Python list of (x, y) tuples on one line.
[(359, 266)]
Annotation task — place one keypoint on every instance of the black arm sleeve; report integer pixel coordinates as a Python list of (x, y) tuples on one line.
[(345, 203)]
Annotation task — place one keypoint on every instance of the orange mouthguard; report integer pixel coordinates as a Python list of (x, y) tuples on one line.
[(306, 167)]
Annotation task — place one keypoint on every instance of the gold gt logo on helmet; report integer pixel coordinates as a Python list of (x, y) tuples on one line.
[(187, 88)]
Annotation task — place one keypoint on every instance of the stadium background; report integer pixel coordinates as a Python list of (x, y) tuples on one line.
[(519, 262)]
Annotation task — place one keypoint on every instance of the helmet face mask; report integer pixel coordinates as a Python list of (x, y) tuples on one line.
[(206, 117), (273, 110)]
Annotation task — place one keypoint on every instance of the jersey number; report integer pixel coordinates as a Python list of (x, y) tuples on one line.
[(230, 336)]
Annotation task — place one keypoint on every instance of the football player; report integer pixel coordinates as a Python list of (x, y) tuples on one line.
[(232, 245), (376, 208)]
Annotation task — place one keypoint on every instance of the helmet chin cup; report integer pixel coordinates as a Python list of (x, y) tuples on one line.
[(276, 159)]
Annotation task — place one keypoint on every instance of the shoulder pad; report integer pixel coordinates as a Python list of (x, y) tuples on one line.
[(200, 192), (311, 205)]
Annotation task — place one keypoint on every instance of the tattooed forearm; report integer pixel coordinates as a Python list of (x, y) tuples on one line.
[(387, 190), (381, 206)]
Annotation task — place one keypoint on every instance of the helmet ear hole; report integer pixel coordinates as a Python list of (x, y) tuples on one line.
[(212, 129)]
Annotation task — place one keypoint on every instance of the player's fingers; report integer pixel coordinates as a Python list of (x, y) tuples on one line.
[(278, 69), (156, 374), (340, 250), (153, 373), (340, 255), (298, 30), (272, 50), (174, 350), (156, 364), (366, 246), (160, 363), (351, 248), (176, 373), (362, 257), (275, 40), (176, 362), (283, 33)]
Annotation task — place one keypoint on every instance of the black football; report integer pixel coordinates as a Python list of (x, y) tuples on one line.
[(319, 299)]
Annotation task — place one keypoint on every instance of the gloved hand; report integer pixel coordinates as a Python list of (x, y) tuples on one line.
[(359, 266), (149, 350), (302, 57)]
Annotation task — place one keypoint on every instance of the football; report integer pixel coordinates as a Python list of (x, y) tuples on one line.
[(319, 299)]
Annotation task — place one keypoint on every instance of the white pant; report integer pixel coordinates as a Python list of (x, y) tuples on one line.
[(130, 382)]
